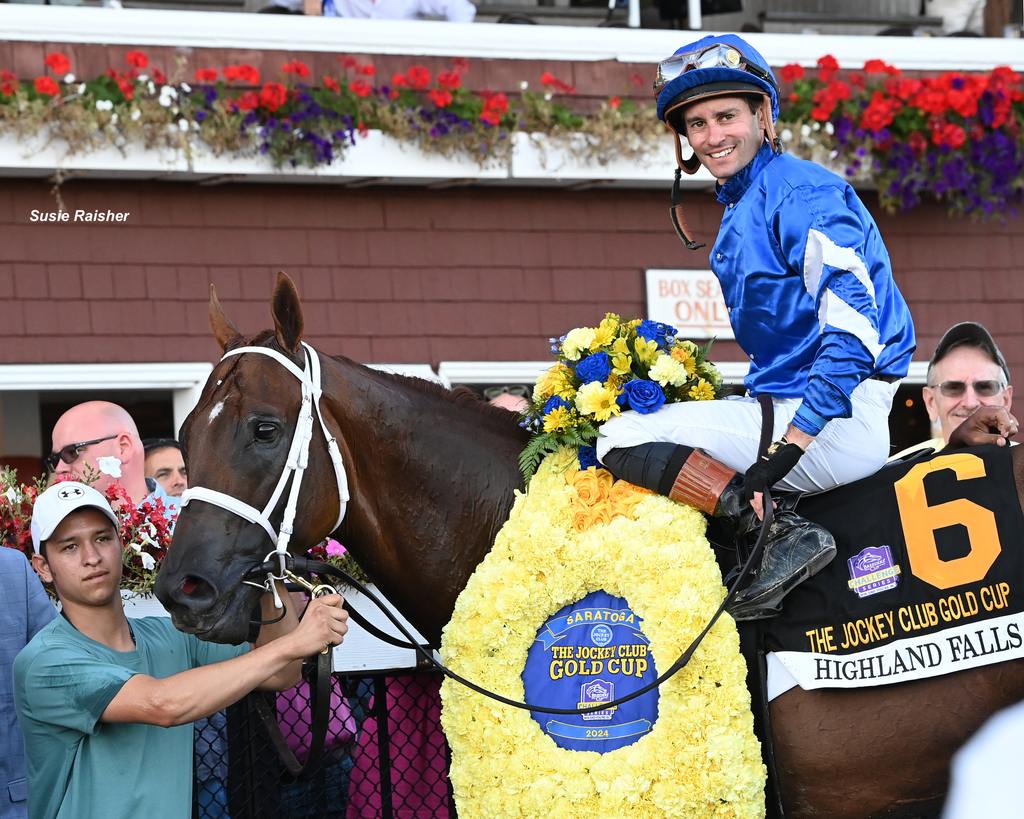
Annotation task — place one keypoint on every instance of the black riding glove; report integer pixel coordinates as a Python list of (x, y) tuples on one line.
[(768, 470)]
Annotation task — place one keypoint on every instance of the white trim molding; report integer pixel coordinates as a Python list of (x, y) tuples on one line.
[(292, 34)]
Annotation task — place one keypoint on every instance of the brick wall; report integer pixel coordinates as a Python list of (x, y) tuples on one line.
[(408, 274)]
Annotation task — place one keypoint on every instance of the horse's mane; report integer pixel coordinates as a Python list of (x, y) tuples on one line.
[(457, 396)]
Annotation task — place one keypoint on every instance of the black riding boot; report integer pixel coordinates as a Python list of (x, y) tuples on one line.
[(794, 549)]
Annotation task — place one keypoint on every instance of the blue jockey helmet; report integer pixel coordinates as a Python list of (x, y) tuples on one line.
[(714, 66)]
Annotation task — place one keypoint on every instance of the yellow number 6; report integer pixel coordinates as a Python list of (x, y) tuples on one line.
[(921, 520)]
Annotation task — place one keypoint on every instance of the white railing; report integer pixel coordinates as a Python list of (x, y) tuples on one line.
[(294, 34)]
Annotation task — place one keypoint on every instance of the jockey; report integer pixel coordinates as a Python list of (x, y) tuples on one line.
[(812, 301)]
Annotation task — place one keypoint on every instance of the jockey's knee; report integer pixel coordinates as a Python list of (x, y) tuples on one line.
[(653, 465)]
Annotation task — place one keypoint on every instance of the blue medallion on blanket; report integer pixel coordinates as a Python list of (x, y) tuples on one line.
[(590, 652), (928, 579)]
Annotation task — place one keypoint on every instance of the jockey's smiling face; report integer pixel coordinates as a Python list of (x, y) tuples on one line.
[(971, 372), (724, 134)]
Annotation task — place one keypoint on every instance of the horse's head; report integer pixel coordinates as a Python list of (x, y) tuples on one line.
[(237, 442)]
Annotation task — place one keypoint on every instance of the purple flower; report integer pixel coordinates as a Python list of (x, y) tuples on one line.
[(595, 367), (644, 396)]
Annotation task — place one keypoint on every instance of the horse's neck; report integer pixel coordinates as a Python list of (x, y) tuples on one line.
[(431, 482)]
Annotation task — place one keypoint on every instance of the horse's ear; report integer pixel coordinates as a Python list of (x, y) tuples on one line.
[(223, 330), (287, 313)]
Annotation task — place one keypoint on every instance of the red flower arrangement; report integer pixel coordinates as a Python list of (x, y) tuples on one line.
[(145, 530), (954, 137)]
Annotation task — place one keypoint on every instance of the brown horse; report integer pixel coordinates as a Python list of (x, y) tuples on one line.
[(432, 477)]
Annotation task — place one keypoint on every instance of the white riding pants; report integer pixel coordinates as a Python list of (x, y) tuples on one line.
[(729, 430)]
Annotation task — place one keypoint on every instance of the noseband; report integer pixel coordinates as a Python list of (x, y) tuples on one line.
[(294, 467)]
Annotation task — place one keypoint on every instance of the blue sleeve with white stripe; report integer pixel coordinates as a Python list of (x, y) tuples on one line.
[(821, 235)]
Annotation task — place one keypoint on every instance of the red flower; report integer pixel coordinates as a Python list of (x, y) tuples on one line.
[(46, 86), (348, 62), (360, 88), (368, 70), (460, 64), (247, 101), (137, 59), (450, 80), (273, 95), (440, 98), (58, 62), (551, 81), (827, 67), (490, 117), (791, 72), (242, 73), (917, 142), (159, 77), (947, 133), (497, 102), (879, 113), (331, 84), (614, 102), (399, 81), (418, 77), (126, 85), (794, 97), (362, 129), (880, 67), (857, 80), (296, 67), (8, 83), (206, 75)]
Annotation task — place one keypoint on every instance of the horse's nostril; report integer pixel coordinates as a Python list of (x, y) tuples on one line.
[(190, 584), (195, 589)]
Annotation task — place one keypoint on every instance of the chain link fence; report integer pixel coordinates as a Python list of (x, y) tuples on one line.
[(384, 756)]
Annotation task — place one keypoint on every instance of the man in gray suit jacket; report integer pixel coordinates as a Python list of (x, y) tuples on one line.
[(25, 610)]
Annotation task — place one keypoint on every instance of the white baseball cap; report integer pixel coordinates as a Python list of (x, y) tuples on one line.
[(59, 501)]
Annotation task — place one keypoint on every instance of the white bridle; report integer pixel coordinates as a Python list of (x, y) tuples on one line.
[(294, 467)]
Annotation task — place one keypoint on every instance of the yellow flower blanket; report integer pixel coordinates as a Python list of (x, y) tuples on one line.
[(570, 534)]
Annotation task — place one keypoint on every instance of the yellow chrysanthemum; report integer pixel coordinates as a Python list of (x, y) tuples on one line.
[(701, 391), (606, 331), (553, 381), (557, 420), (577, 342), (685, 357), (667, 370), (597, 400)]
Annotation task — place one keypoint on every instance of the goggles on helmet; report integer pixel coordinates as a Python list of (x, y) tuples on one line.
[(716, 56)]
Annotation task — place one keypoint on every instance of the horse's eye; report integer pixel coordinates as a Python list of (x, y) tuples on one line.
[(266, 432)]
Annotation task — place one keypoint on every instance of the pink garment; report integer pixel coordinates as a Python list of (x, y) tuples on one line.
[(419, 763), (294, 716)]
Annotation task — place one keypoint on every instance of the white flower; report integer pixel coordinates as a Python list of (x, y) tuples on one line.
[(143, 77), (186, 88), (150, 87), (136, 114), (786, 135), (109, 465), (11, 495), (113, 119), (165, 102), (183, 125), (833, 154), (523, 85), (805, 130), (817, 126), (69, 78), (168, 91), (547, 96), (148, 561), (81, 88), (104, 105), (830, 128)]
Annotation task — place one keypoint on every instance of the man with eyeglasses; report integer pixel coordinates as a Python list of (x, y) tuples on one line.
[(811, 298), (967, 371)]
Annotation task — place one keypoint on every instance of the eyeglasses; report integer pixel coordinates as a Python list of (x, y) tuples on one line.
[(716, 56), (518, 390), (984, 389), (72, 452)]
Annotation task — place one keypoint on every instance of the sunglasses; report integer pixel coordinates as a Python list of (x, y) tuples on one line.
[(72, 452), (716, 56), (985, 389)]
